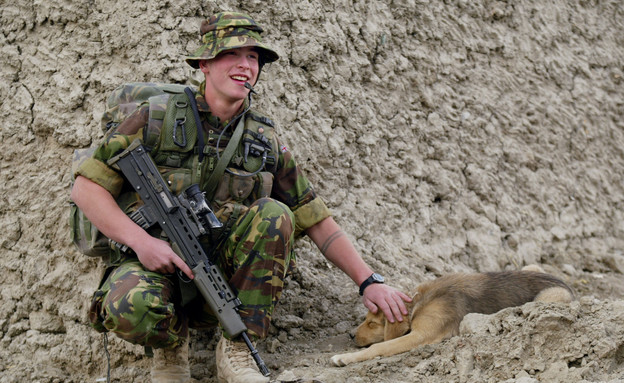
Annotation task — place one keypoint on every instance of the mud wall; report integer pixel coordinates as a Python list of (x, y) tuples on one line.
[(445, 136)]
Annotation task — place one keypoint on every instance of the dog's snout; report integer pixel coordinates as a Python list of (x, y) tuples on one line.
[(352, 333)]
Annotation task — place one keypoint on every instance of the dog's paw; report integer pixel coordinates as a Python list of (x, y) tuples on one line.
[(340, 360), (336, 360)]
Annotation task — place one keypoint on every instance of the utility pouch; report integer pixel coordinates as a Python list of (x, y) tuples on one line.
[(179, 125), (95, 310), (97, 301), (229, 214), (239, 186), (83, 234)]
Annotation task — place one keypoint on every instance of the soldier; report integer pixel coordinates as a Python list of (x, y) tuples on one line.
[(264, 205)]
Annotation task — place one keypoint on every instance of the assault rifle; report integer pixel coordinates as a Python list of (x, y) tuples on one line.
[(184, 219)]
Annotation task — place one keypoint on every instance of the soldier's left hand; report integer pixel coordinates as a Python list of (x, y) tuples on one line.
[(390, 300)]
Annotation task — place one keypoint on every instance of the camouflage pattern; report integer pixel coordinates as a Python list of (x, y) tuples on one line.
[(289, 184), (83, 234), (230, 30), (130, 108), (265, 213), (140, 306), (125, 99), (256, 258)]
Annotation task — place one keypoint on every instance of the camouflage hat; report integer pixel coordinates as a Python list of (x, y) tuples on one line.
[(229, 30)]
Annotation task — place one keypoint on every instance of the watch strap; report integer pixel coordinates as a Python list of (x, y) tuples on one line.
[(369, 281)]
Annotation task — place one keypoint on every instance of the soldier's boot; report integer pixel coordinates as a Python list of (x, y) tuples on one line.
[(235, 363), (171, 365)]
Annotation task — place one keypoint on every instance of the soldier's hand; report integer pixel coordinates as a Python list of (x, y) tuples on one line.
[(390, 300), (157, 255)]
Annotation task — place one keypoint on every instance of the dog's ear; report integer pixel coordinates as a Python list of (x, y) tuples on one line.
[(396, 329), (371, 330)]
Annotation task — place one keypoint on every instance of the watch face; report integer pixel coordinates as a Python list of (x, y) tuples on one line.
[(377, 278)]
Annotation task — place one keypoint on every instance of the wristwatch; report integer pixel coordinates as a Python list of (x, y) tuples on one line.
[(375, 278)]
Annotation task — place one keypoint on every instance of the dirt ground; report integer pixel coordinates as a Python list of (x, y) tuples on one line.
[(445, 136)]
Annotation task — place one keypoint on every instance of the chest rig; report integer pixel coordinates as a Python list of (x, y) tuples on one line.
[(187, 154), (184, 155)]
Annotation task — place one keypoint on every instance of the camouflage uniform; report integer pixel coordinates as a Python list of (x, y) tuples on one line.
[(263, 213)]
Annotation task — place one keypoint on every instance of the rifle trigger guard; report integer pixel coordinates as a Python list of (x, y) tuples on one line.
[(183, 276)]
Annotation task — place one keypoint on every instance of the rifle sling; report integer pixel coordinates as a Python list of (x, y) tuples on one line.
[(210, 185)]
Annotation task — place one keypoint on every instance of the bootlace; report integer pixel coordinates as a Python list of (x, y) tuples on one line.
[(239, 356)]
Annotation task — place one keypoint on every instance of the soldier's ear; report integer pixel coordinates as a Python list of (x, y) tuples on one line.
[(204, 66)]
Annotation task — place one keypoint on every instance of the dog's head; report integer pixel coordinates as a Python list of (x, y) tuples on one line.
[(376, 328)]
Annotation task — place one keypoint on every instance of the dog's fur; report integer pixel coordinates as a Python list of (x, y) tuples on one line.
[(439, 306)]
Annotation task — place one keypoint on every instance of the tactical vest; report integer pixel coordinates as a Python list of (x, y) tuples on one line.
[(172, 136), (173, 139)]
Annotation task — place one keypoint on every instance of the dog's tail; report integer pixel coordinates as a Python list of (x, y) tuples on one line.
[(533, 267), (551, 294), (514, 288)]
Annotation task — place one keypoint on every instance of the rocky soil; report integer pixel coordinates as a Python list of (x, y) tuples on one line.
[(445, 136)]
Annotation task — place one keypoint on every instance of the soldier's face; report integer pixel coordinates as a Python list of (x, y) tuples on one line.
[(227, 73)]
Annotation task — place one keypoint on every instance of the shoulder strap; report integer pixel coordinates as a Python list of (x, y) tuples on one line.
[(211, 184), (200, 132)]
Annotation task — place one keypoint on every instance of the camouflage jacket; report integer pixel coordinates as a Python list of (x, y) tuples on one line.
[(282, 179)]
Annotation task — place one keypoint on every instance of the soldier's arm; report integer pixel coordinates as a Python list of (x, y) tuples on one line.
[(338, 249), (100, 208)]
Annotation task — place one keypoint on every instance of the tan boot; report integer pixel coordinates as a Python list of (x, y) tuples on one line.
[(235, 364), (171, 365)]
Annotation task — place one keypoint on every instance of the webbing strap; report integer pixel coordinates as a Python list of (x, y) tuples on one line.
[(200, 130), (179, 123), (210, 186)]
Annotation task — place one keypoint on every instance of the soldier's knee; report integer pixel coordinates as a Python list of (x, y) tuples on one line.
[(270, 208), (140, 318)]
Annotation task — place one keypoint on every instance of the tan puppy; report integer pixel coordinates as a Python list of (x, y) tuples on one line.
[(440, 305)]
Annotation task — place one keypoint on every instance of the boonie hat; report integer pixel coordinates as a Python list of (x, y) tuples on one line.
[(230, 30)]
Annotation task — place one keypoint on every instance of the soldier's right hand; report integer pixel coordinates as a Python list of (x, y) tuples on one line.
[(157, 255)]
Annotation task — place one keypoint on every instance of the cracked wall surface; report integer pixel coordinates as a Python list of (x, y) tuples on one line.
[(444, 136)]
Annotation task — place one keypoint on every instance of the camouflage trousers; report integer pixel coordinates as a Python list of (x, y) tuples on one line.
[(145, 307)]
